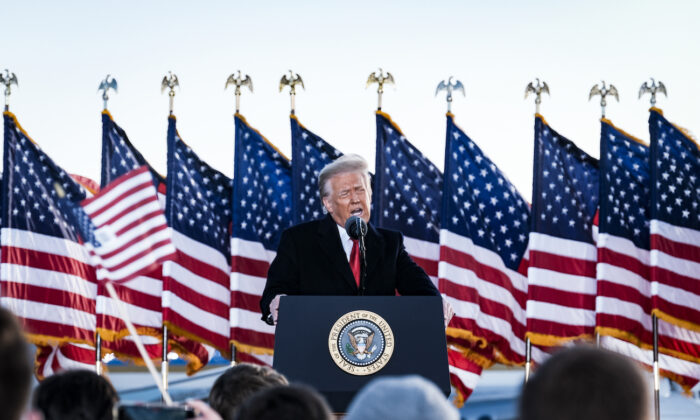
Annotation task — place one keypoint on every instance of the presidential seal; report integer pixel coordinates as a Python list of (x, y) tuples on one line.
[(361, 342)]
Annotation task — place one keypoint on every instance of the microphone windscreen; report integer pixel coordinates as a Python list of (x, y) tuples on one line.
[(355, 227)]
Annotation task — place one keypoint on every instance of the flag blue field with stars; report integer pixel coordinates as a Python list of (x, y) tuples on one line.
[(407, 194), (119, 156), (310, 153)]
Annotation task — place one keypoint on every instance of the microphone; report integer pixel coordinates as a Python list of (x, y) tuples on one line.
[(356, 227)]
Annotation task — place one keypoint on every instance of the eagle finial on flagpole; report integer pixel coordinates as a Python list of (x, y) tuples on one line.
[(538, 88), (292, 81), (652, 89), (8, 79), (379, 78), (449, 87), (170, 82), (105, 85), (603, 91), (238, 81)]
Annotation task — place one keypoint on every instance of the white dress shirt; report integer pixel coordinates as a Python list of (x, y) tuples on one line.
[(345, 240)]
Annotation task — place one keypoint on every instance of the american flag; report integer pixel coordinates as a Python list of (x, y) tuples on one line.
[(196, 296), (464, 375), (407, 194), (623, 306), (483, 241), (685, 373), (623, 303), (46, 279), (562, 271), (310, 153), (65, 356), (675, 223), (127, 234), (262, 197), (142, 295)]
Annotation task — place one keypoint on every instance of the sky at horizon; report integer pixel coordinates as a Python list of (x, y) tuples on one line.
[(60, 52)]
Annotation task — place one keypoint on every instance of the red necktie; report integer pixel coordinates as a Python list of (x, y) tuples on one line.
[(355, 261)]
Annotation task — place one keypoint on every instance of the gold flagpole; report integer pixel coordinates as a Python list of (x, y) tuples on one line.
[(603, 91), (379, 78), (653, 89), (292, 81), (105, 85), (170, 82), (537, 88), (8, 79), (448, 86), (238, 81), (528, 359)]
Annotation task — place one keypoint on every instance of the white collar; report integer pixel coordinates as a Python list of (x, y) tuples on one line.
[(344, 237), (345, 240)]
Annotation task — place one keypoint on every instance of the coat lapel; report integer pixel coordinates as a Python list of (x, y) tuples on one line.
[(374, 242), (329, 239)]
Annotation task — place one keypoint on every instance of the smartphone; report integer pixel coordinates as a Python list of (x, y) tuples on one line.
[(153, 412)]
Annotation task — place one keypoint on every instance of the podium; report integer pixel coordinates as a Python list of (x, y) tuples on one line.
[(337, 344)]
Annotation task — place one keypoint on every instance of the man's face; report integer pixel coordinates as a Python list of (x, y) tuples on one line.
[(349, 196)]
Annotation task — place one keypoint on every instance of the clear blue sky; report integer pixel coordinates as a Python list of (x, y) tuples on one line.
[(61, 50)]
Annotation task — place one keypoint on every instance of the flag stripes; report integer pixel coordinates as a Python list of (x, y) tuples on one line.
[(53, 359), (131, 227), (464, 375), (196, 297), (249, 274), (685, 373)]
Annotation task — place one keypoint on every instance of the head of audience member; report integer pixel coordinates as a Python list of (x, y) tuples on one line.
[(401, 397), (75, 394), (239, 383), (584, 383), (345, 188), (15, 367), (292, 402)]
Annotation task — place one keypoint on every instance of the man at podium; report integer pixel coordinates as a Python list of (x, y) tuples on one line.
[(320, 257)]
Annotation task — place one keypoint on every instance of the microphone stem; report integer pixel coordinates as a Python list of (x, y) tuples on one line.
[(363, 265)]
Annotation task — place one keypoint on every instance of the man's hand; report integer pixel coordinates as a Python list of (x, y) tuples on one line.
[(275, 307), (447, 311)]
